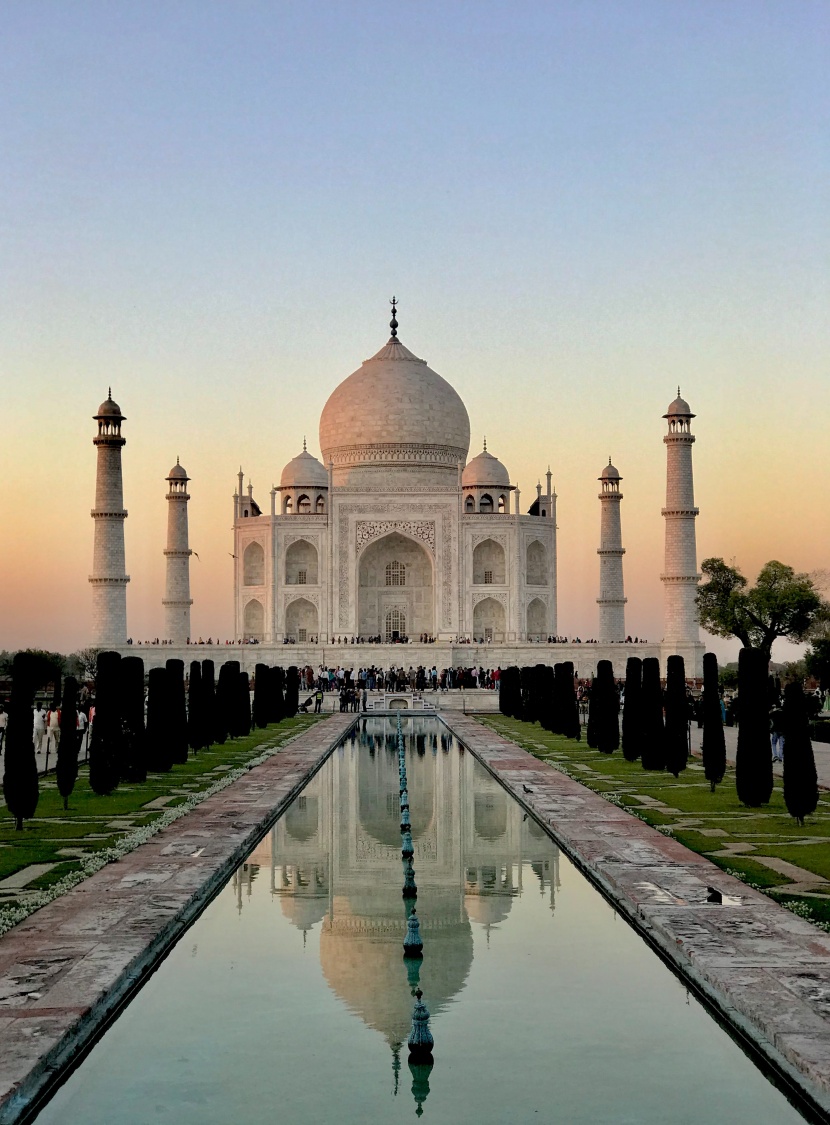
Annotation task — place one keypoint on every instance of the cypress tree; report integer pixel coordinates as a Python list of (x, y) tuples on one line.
[(106, 748), (677, 716), (753, 760), (292, 692), (714, 743), (224, 700), (20, 780), (607, 712), (510, 692), (134, 759), (195, 708), (557, 705), (66, 773), (261, 691), (276, 702), (208, 703), (547, 705), (571, 722), (158, 756), (176, 711), (243, 688), (591, 730), (235, 723), (653, 756), (632, 717), (800, 779)]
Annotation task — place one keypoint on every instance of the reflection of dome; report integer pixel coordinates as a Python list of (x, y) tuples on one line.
[(487, 910), (304, 471), (304, 911), (366, 969), (301, 819), (485, 471), (490, 815), (393, 410)]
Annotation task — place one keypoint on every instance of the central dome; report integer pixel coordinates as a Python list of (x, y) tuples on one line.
[(394, 411)]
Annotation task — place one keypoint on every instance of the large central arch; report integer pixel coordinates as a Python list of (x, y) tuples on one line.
[(395, 573)]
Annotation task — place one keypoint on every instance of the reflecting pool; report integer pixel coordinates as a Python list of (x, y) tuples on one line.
[(289, 1000)]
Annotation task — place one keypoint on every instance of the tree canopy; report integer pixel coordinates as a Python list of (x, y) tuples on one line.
[(782, 603)]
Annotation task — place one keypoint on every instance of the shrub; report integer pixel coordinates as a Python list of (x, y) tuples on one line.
[(195, 708), (261, 691), (292, 692), (20, 780), (276, 701), (753, 760), (571, 723), (177, 711), (225, 688), (243, 704), (208, 703)]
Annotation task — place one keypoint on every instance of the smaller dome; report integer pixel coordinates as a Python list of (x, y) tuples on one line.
[(304, 471), (485, 471), (109, 409), (609, 472), (679, 408), (177, 472)]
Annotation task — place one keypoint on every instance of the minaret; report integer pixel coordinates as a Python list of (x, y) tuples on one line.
[(108, 580), (680, 576), (611, 598), (177, 600)]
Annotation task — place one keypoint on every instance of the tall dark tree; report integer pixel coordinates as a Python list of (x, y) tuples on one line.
[(66, 773), (208, 703), (261, 686), (800, 779), (607, 709), (547, 701), (527, 678), (571, 722), (714, 743), (20, 781), (632, 716), (556, 716), (276, 700), (159, 755), (195, 708), (510, 692), (243, 703), (292, 692), (653, 755), (134, 757), (225, 694), (106, 747), (591, 729), (753, 760), (177, 711), (677, 716)]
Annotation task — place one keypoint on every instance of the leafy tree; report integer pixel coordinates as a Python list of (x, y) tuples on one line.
[(134, 758), (780, 604), (632, 718), (20, 780), (653, 756), (800, 780), (817, 662), (106, 745), (714, 743), (85, 662), (677, 716), (176, 711), (70, 743), (159, 757), (753, 760), (606, 708)]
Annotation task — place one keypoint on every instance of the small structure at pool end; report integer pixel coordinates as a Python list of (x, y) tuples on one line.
[(404, 799), (410, 889), (421, 1041), (407, 850), (412, 944)]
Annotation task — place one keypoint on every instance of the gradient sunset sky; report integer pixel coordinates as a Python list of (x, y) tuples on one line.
[(580, 205)]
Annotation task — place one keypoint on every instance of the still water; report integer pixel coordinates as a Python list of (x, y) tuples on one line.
[(289, 1000)]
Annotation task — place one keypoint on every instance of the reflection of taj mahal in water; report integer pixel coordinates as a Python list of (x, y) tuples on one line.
[(470, 843)]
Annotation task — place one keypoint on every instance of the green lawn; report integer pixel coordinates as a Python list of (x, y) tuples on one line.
[(94, 822), (709, 823)]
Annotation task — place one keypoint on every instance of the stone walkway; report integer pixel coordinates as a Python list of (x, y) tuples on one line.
[(765, 970), (69, 966)]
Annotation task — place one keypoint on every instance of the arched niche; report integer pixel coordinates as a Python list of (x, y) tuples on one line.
[(485, 505), (253, 565), (301, 564), (537, 564), (537, 619), (414, 597), (489, 564), (488, 620), (254, 620), (301, 620)]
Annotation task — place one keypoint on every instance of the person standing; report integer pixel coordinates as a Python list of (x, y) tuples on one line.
[(318, 700), (38, 727), (4, 718), (776, 735), (83, 726), (53, 729)]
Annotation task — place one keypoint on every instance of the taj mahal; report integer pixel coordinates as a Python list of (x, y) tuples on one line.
[(398, 536)]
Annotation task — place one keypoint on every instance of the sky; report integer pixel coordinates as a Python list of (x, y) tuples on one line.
[(580, 205)]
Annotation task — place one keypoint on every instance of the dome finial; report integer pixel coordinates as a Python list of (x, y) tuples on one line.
[(485, 443), (609, 458), (109, 394), (393, 323), (678, 390), (177, 461), (304, 446)]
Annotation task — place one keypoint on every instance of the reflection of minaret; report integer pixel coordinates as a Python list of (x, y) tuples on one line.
[(680, 576), (108, 579), (177, 600), (611, 599)]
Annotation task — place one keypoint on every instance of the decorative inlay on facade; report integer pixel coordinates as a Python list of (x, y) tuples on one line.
[(495, 536), (294, 596), (501, 598), (312, 538), (410, 454), (422, 530)]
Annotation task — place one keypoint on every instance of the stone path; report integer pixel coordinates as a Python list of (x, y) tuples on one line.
[(764, 969), (70, 965)]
